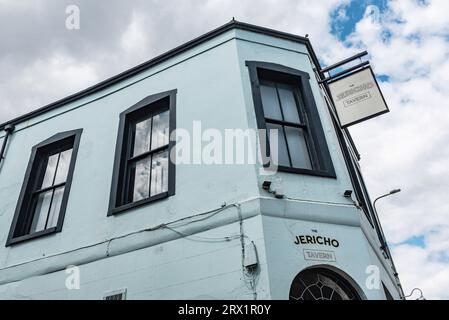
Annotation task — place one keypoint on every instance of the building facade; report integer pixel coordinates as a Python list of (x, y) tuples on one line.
[(89, 195)]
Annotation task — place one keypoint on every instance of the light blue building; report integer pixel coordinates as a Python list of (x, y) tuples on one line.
[(88, 193)]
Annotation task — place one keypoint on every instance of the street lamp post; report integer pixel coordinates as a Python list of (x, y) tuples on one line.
[(384, 245), (386, 195), (379, 226)]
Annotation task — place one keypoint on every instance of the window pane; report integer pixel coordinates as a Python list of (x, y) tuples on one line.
[(281, 150), (288, 102), (159, 173), (142, 137), (50, 171), (298, 148), (159, 135), (270, 102), (55, 207), (141, 174), (63, 166), (41, 211)]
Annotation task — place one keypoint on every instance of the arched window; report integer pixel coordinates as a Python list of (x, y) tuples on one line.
[(321, 284)]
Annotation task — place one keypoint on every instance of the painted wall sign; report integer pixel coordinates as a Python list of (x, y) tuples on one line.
[(357, 97), (319, 255), (320, 240)]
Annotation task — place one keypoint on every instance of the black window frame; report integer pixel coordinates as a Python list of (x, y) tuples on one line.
[(318, 150), (123, 151), (35, 169)]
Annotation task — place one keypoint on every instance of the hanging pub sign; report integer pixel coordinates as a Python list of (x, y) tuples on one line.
[(357, 97)]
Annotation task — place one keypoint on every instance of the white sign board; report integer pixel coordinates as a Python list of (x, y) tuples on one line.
[(357, 97)]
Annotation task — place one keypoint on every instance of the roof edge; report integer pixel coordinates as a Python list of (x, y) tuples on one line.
[(233, 24)]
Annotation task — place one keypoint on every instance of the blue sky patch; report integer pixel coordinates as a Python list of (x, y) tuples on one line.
[(382, 77), (345, 17), (443, 257), (418, 241)]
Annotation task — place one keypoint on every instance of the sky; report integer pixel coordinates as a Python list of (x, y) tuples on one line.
[(408, 44)]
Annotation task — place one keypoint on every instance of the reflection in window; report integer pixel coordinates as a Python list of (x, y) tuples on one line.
[(159, 173), (142, 137), (281, 106), (47, 199), (148, 166), (159, 134), (43, 199), (142, 170)]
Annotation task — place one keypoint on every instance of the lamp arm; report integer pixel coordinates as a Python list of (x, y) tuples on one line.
[(378, 198)]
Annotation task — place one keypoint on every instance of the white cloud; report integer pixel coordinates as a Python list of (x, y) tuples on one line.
[(41, 61), (411, 141), (426, 268), (135, 41), (42, 82)]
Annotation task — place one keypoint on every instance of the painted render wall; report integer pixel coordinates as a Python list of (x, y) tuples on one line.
[(213, 86), (199, 92), (318, 205), (294, 55), (207, 82)]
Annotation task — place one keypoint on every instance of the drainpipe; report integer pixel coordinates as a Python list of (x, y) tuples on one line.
[(8, 129)]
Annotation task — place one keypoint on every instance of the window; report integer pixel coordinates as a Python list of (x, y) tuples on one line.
[(321, 284), (45, 191), (143, 171), (284, 102), (116, 295)]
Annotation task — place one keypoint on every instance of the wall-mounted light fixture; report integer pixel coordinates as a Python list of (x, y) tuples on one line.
[(347, 193), (266, 185)]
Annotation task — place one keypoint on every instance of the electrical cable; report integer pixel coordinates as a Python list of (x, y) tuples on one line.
[(204, 215)]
